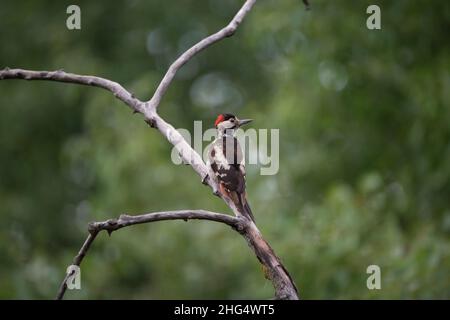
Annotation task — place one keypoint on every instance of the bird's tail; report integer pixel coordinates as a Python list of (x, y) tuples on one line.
[(245, 207), (239, 200)]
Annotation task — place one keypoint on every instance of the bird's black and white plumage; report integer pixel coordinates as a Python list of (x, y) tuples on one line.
[(226, 163)]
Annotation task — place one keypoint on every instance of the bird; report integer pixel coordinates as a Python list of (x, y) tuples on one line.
[(226, 163)]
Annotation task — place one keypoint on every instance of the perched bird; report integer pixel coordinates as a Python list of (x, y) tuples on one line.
[(226, 162)]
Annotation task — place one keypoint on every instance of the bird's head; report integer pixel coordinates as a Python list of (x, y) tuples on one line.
[(227, 121)]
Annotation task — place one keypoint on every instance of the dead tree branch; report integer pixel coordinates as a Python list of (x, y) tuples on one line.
[(76, 262), (127, 220), (274, 269), (60, 76), (227, 31)]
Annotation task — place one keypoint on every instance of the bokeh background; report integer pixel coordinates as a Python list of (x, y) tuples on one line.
[(364, 125)]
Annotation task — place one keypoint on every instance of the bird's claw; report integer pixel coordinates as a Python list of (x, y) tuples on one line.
[(213, 185)]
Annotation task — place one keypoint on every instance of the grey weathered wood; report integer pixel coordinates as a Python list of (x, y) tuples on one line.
[(274, 269)]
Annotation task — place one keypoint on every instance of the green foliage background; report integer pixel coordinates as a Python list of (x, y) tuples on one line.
[(364, 124)]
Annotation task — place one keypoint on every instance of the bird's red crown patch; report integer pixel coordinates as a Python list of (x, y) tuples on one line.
[(219, 119)]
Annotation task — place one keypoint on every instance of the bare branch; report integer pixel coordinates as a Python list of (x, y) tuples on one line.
[(77, 262), (118, 91), (274, 269), (127, 220), (227, 31), (148, 109), (152, 118)]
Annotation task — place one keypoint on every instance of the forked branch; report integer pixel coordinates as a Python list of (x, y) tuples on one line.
[(274, 269), (127, 220)]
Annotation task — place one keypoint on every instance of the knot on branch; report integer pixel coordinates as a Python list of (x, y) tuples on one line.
[(109, 225), (229, 31), (93, 228), (241, 225), (151, 122)]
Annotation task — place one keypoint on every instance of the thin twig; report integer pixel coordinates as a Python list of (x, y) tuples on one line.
[(227, 31), (77, 262)]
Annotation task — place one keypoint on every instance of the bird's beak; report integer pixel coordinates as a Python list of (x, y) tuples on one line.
[(244, 121)]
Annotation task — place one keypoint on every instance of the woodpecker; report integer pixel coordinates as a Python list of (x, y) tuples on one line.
[(226, 162)]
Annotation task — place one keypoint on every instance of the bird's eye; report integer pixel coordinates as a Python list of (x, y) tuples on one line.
[(232, 120)]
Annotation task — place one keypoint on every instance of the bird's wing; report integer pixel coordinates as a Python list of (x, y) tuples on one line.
[(229, 159), (212, 163)]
